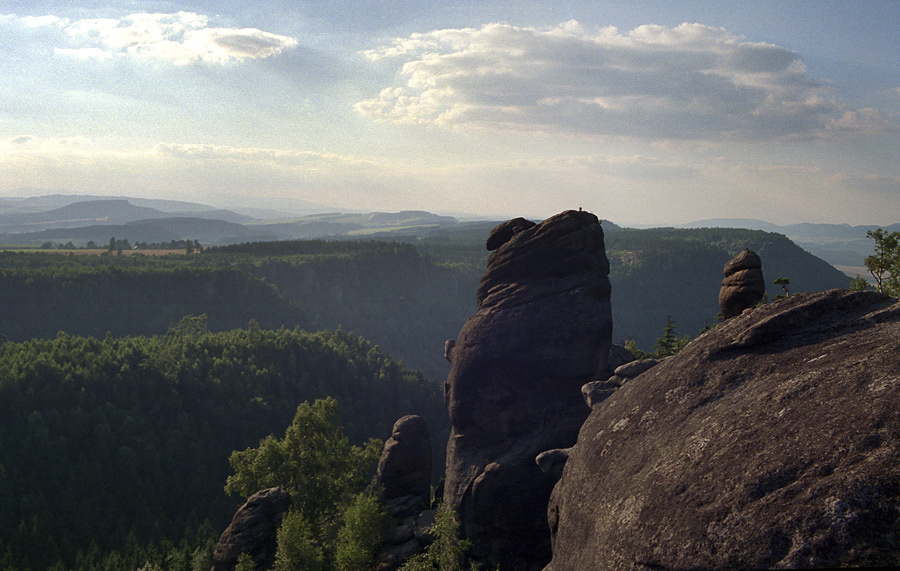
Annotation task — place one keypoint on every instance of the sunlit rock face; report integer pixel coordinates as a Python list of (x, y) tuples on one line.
[(542, 329), (770, 441)]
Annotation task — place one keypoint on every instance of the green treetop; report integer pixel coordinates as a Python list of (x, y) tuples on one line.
[(314, 462), (884, 264)]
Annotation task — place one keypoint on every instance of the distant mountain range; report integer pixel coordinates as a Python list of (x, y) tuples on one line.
[(81, 218), (47, 202), (842, 245), (60, 219)]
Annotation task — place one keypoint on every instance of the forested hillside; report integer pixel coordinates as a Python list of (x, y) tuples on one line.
[(388, 292), (663, 272), (109, 445), (658, 273), (405, 297), (43, 293)]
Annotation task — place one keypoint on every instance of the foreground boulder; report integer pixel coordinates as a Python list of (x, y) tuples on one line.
[(543, 328), (743, 286), (772, 440), (253, 530), (404, 470)]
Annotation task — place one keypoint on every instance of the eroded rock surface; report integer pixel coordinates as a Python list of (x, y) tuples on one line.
[(253, 530), (772, 440), (404, 470), (543, 329), (743, 285)]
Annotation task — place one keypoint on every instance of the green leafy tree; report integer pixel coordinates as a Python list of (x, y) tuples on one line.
[(632, 347), (314, 462), (297, 547), (859, 283), (447, 552), (189, 327), (365, 524), (245, 563), (325, 475), (201, 558), (884, 264)]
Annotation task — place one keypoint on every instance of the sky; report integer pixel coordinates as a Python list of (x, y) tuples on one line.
[(642, 112)]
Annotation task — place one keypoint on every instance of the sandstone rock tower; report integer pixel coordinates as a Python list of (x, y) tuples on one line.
[(542, 329), (743, 285)]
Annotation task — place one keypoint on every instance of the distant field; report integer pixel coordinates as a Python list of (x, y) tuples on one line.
[(94, 252), (854, 271)]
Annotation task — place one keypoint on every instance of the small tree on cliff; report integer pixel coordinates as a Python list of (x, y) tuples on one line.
[(669, 343), (783, 282), (446, 552), (884, 264), (859, 283)]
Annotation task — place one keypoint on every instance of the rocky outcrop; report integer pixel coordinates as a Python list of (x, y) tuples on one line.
[(404, 476), (620, 366), (253, 530), (503, 233), (409, 537), (770, 441), (542, 329), (404, 470), (743, 285)]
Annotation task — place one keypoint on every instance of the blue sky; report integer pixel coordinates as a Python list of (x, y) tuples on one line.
[(642, 112)]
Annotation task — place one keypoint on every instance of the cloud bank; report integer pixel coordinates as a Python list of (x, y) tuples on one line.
[(180, 38), (691, 82)]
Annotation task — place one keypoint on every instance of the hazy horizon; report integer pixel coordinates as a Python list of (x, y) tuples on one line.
[(645, 113), (292, 208)]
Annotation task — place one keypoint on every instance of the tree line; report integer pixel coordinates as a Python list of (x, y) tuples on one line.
[(389, 292)]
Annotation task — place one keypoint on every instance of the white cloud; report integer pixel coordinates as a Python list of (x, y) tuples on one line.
[(41, 21), (690, 82), (180, 38), (866, 120), (83, 53), (282, 157)]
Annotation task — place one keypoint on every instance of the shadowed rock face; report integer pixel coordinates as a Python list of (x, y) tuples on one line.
[(404, 470), (770, 441), (542, 329), (743, 285)]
